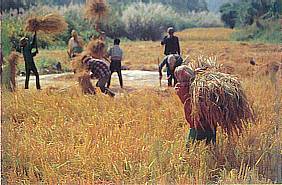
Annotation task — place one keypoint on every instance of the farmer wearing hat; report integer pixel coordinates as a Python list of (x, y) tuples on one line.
[(171, 43), (171, 62), (199, 128), (28, 55)]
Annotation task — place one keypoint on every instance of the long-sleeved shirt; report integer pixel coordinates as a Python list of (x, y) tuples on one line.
[(115, 53), (27, 51), (171, 45), (182, 90), (169, 72), (98, 68)]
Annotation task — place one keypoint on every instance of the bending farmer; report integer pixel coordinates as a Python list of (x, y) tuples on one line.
[(171, 62), (200, 129)]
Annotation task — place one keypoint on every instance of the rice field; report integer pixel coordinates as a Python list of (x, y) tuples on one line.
[(65, 137), (145, 55)]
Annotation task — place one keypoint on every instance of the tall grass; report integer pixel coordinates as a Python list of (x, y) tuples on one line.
[(66, 137)]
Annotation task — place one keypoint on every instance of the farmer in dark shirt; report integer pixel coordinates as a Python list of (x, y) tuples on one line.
[(28, 55), (171, 62), (171, 43)]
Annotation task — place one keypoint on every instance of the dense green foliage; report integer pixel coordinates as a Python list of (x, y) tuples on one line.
[(245, 12), (180, 5), (258, 19)]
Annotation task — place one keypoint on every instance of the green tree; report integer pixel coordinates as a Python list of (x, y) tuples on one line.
[(229, 14)]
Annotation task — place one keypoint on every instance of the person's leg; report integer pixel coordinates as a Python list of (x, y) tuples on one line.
[(109, 81), (169, 81), (35, 72), (191, 137), (120, 78), (102, 85), (211, 137), (27, 75), (174, 80)]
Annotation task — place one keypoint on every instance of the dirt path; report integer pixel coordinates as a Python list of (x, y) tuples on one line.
[(132, 79)]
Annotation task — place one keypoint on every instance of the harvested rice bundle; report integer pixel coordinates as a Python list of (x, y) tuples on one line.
[(95, 47), (9, 70), (217, 98), (96, 9), (85, 84), (82, 74), (51, 23)]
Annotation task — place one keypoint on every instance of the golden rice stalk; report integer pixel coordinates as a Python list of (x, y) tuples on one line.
[(96, 9), (218, 99), (51, 23), (82, 74), (84, 81)]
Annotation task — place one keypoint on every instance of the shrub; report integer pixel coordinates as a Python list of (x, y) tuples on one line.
[(148, 21), (204, 19), (269, 32)]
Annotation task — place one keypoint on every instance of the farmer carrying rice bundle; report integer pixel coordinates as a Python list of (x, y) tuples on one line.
[(171, 62), (48, 24), (211, 99), (28, 55)]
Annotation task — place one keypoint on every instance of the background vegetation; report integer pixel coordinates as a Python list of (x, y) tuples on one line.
[(260, 20), (60, 136)]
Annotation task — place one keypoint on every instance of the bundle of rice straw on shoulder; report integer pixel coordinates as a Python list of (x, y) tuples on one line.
[(9, 71), (218, 98), (51, 23)]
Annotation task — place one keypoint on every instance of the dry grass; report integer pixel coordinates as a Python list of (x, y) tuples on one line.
[(207, 34), (51, 23), (137, 138), (235, 56), (68, 138)]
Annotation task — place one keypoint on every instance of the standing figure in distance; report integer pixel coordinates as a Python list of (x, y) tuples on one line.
[(171, 43), (115, 53), (75, 45)]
